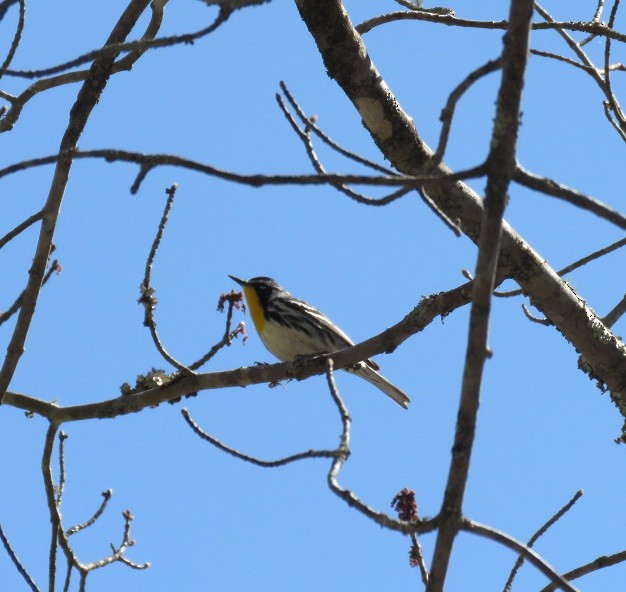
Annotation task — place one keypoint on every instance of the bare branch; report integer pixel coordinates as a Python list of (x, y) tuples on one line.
[(60, 537), (598, 12), (575, 265), (531, 317), (611, 98), (147, 298), (310, 123), (417, 558), (615, 314), (151, 161), (55, 520), (595, 565), (139, 46), (126, 63), (106, 496), (521, 549), (85, 102), (118, 552), (16, 39), (16, 562), (500, 166), (281, 462), (596, 28), (61, 487), (341, 456), (447, 112), (305, 138), (612, 108), (551, 187), (9, 236), (544, 528), (560, 58), (420, 317), (9, 312), (234, 300)]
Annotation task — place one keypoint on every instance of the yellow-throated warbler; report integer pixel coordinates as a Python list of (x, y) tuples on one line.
[(289, 327)]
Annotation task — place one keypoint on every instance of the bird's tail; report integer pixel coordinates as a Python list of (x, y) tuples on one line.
[(379, 381)]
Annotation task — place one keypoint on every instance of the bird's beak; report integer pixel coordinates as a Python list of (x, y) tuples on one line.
[(241, 282)]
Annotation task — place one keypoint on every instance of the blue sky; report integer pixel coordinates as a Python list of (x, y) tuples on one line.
[(203, 519)]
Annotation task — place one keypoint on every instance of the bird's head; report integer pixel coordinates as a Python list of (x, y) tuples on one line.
[(263, 286), (258, 292)]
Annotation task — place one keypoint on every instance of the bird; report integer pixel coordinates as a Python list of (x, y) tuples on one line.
[(289, 327)]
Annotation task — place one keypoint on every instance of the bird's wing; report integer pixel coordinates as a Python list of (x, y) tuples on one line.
[(324, 325)]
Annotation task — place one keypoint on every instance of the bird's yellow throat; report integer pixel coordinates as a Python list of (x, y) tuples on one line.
[(256, 310)]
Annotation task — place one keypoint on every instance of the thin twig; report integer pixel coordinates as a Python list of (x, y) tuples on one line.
[(417, 555), (531, 317), (68, 577), (139, 46), (55, 521), (61, 487), (125, 63), (305, 138), (118, 552), (16, 38), (341, 456), (595, 565), (226, 338), (17, 304), (147, 298), (611, 106), (598, 12), (618, 311), (560, 58), (447, 112), (252, 459), (528, 554), (16, 562), (594, 28), (311, 124), (544, 528), (580, 200), (153, 161), (573, 266), (612, 99), (9, 236), (106, 496)]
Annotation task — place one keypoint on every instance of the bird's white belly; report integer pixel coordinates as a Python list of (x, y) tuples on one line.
[(286, 343)]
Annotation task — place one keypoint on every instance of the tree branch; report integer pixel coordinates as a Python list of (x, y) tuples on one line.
[(86, 100), (521, 549), (16, 562), (394, 132), (595, 28), (500, 165), (580, 200), (420, 317), (544, 528), (595, 565)]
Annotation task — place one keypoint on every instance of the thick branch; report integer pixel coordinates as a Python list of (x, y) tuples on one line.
[(347, 61)]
